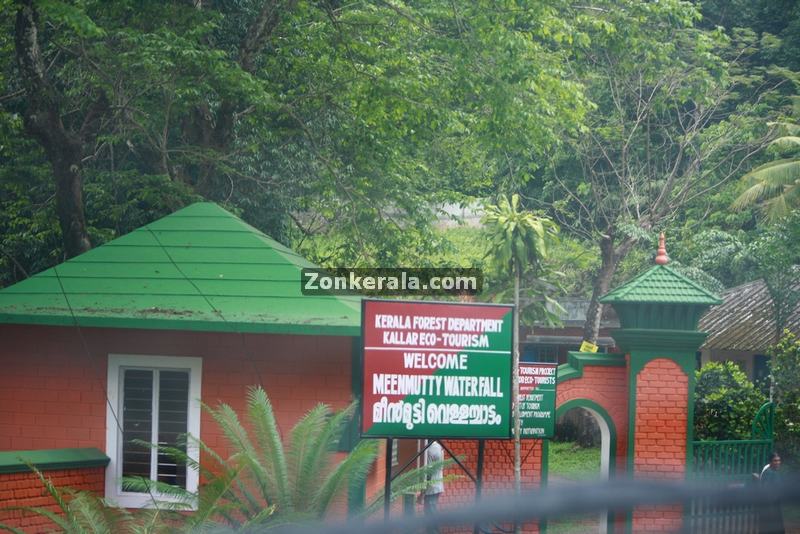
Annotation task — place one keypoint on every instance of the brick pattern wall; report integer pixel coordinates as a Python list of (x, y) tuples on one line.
[(498, 473), (52, 393), (25, 489), (608, 387), (662, 404)]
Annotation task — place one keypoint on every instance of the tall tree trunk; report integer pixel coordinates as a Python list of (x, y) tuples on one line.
[(610, 258), (43, 121), (69, 202), (214, 129)]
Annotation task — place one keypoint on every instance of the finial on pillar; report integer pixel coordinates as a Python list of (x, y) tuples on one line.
[(661, 255)]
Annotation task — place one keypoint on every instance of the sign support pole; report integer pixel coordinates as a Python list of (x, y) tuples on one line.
[(479, 480), (387, 492)]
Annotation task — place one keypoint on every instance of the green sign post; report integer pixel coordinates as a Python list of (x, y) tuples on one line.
[(537, 397)]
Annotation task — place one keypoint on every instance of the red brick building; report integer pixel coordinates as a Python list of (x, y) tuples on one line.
[(123, 342)]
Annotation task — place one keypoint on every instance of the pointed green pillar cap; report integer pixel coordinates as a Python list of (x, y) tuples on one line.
[(660, 301)]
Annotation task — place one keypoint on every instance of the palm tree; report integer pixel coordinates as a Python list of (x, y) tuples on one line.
[(775, 185), (519, 243)]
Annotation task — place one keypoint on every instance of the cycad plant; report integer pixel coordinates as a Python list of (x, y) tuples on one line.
[(264, 481), (84, 512)]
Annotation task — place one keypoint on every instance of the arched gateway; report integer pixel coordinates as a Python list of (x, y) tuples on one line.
[(642, 396)]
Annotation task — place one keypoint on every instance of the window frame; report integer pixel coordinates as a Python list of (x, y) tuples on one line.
[(114, 384)]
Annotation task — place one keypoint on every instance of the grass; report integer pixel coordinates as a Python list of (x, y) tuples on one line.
[(571, 461)]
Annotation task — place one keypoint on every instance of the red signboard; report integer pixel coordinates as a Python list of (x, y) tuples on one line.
[(436, 369)]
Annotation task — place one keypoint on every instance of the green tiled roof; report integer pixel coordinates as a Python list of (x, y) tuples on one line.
[(662, 285), (201, 268)]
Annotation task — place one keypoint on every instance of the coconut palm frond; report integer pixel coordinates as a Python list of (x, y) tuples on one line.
[(786, 141), (78, 512), (178, 453), (207, 451), (268, 437), (68, 519), (239, 441), (249, 502), (260, 518), (771, 184), (164, 496), (60, 521), (149, 521), (350, 472)]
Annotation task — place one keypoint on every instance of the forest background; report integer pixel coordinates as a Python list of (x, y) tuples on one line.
[(343, 129)]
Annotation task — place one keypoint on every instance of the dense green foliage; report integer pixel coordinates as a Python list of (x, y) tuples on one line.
[(349, 122), (785, 370), (775, 186), (726, 402), (342, 129)]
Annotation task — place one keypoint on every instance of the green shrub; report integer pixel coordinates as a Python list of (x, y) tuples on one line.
[(785, 369), (726, 402)]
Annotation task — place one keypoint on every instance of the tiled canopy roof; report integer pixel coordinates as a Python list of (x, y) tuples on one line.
[(660, 284), (745, 321), (201, 268)]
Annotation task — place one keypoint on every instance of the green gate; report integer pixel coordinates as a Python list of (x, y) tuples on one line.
[(730, 463)]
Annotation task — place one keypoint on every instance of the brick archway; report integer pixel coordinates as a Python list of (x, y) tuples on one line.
[(608, 432), (599, 382), (608, 443)]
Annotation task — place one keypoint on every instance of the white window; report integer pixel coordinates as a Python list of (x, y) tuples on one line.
[(152, 399)]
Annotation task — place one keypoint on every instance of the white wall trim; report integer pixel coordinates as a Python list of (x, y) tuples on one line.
[(605, 459), (116, 362)]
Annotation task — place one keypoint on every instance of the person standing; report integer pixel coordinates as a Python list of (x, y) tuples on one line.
[(433, 455), (771, 516)]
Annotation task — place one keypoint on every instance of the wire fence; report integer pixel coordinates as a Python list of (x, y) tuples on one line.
[(619, 496)]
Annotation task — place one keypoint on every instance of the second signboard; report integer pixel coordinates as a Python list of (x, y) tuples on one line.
[(537, 399), (437, 370)]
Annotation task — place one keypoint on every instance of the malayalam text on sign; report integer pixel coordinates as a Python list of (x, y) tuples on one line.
[(436, 369)]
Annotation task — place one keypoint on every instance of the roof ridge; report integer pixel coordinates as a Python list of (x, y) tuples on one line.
[(633, 283), (661, 283), (140, 282), (692, 282)]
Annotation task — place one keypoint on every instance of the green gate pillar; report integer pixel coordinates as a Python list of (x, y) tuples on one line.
[(658, 312)]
